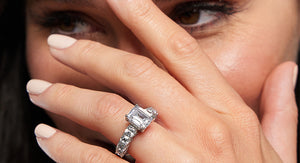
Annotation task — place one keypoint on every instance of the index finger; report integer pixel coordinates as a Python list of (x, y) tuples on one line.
[(177, 50)]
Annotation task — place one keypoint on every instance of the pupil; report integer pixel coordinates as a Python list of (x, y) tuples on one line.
[(189, 18), (67, 26)]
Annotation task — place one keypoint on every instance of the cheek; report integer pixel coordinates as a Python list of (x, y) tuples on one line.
[(248, 52), (246, 67)]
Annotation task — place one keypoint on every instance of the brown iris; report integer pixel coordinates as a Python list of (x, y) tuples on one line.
[(189, 18), (67, 26)]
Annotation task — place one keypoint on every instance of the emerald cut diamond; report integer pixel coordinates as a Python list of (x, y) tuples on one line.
[(141, 118)]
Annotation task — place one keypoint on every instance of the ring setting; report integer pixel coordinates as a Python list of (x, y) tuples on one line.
[(139, 119)]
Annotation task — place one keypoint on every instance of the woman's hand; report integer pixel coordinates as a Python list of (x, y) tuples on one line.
[(201, 118)]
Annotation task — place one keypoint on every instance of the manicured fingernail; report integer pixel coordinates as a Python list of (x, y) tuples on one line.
[(44, 131), (295, 76), (60, 42), (37, 87)]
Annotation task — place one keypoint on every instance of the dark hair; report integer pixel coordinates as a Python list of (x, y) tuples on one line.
[(18, 117), (297, 91)]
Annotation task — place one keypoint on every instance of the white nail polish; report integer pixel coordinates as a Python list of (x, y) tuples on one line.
[(44, 131), (60, 41), (295, 76), (37, 87)]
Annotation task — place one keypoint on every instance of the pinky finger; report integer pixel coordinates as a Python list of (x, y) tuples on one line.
[(63, 148)]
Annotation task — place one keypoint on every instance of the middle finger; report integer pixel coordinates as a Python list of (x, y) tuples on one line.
[(134, 76), (177, 50)]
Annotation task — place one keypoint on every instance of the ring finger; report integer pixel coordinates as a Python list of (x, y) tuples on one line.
[(134, 76), (102, 112)]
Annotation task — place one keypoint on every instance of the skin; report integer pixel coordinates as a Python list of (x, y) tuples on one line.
[(239, 68)]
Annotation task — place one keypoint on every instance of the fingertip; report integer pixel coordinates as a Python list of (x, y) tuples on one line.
[(44, 131), (36, 86)]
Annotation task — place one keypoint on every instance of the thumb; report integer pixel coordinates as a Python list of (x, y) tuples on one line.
[(278, 111)]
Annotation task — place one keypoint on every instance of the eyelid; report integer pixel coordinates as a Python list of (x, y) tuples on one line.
[(51, 18), (225, 7), (223, 10)]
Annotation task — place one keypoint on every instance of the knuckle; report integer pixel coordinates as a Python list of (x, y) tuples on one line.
[(137, 66), (108, 106), (182, 44), (219, 138), (248, 119)]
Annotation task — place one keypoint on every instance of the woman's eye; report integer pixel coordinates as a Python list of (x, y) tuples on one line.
[(72, 27), (75, 24), (196, 15), (69, 27), (71, 23)]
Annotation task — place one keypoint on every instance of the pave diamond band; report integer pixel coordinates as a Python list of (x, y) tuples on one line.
[(126, 138), (139, 119)]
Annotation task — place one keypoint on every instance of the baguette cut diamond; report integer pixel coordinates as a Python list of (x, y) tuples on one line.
[(141, 118)]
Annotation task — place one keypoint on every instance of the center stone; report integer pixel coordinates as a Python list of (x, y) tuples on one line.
[(141, 118)]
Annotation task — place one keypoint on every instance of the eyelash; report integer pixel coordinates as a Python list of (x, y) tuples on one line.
[(53, 20), (222, 9)]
